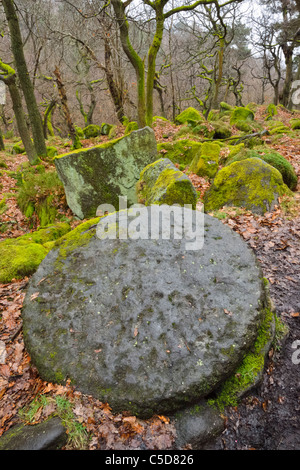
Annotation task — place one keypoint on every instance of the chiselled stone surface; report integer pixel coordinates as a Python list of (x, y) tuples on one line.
[(147, 325)]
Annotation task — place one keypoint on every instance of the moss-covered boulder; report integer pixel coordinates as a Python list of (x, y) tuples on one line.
[(51, 151), (206, 163), (189, 114), (20, 257), (241, 114), (221, 130), (225, 106), (131, 126), (105, 128), (252, 184), (180, 151), (101, 174), (162, 183), (272, 157), (91, 130), (18, 148)]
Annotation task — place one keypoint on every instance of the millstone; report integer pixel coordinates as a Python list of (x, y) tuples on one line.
[(145, 325)]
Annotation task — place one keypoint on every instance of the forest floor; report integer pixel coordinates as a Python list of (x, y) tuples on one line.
[(267, 419)]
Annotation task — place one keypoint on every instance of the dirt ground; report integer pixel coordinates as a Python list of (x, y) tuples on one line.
[(268, 419)]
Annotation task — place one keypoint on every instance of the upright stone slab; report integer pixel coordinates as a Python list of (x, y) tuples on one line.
[(147, 325), (99, 175)]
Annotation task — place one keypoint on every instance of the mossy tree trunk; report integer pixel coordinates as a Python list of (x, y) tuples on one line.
[(2, 147), (152, 54), (134, 58), (145, 97), (24, 78), (76, 144), (47, 124), (9, 78)]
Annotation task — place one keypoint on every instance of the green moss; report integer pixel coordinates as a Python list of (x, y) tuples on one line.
[(51, 151), (225, 106), (243, 126), (250, 369), (80, 236), (295, 124), (189, 114), (18, 261), (272, 111), (131, 126), (18, 148), (91, 131), (161, 183), (207, 163), (39, 193), (241, 114), (180, 151), (20, 257), (221, 130), (251, 183), (272, 157)]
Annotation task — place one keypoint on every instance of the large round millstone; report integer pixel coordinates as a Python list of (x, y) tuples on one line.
[(147, 325)]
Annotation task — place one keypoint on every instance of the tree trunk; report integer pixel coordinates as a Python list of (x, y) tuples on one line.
[(288, 55), (133, 57), (47, 126), (115, 92), (152, 54), (2, 147), (21, 120), (64, 102), (24, 78)]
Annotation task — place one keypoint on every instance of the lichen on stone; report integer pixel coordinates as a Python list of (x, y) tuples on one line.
[(251, 184), (162, 183), (206, 163)]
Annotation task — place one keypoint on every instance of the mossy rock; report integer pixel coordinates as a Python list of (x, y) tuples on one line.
[(221, 130), (273, 158), (234, 150), (113, 132), (207, 162), (243, 126), (51, 151), (92, 130), (214, 115), (18, 148), (252, 184), (131, 126), (20, 257), (161, 183), (180, 151), (18, 261), (105, 128), (225, 106), (241, 114), (104, 173), (272, 111), (295, 124), (189, 114), (79, 132)]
